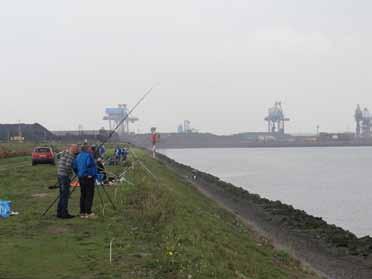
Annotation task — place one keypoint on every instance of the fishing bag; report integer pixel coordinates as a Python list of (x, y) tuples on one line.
[(5, 209)]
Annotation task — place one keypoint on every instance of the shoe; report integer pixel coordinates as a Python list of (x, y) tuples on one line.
[(68, 216), (83, 216), (92, 216)]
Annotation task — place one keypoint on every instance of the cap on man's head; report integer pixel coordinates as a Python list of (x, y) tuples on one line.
[(85, 147)]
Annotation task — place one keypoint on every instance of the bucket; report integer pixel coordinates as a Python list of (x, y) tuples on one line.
[(5, 209)]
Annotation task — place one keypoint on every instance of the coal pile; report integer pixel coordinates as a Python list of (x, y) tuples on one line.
[(30, 132)]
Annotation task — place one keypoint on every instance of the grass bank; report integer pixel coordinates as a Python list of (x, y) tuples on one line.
[(162, 229), (9, 150)]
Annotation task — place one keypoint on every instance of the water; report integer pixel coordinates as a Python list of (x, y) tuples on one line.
[(333, 183)]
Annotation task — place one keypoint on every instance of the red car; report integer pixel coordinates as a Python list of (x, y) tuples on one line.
[(43, 155)]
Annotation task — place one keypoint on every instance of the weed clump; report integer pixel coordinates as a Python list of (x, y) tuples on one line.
[(150, 205)]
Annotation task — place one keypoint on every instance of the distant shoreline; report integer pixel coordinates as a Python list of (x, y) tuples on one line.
[(162, 146), (184, 141)]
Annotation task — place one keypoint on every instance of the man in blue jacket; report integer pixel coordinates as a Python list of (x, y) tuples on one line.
[(86, 169)]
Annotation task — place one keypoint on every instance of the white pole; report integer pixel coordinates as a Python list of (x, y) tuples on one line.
[(112, 241)]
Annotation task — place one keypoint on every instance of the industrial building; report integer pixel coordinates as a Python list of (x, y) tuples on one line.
[(276, 119), (363, 119), (186, 128), (115, 116), (81, 135)]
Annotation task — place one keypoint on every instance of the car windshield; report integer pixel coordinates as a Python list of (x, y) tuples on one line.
[(42, 150)]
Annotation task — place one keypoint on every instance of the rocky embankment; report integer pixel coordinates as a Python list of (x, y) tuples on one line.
[(330, 250)]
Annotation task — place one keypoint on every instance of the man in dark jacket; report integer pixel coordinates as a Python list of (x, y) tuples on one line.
[(86, 169), (64, 172)]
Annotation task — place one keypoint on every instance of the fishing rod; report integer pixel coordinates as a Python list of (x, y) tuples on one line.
[(142, 164), (118, 126), (126, 116), (103, 142), (111, 135)]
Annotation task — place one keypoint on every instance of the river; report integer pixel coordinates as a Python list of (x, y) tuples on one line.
[(334, 183)]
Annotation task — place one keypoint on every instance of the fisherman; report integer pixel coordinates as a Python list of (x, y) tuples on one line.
[(125, 152), (101, 151), (101, 171), (117, 155), (65, 172), (86, 169), (154, 140), (93, 150)]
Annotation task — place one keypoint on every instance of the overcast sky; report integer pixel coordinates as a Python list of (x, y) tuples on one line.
[(220, 64)]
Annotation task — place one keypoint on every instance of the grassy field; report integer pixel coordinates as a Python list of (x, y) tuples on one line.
[(162, 229), (10, 150)]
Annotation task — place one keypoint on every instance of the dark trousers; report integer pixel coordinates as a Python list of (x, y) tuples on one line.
[(64, 195), (87, 194)]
